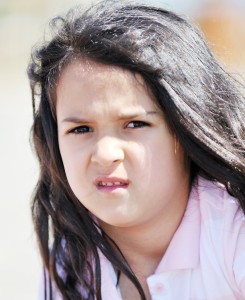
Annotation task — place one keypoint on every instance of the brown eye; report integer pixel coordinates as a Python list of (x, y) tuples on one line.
[(137, 124), (81, 130)]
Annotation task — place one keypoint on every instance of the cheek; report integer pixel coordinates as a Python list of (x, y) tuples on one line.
[(160, 163), (74, 164), (159, 153)]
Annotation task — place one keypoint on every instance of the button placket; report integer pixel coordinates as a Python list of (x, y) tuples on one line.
[(158, 288)]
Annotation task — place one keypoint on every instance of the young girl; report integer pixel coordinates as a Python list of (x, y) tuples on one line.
[(140, 138)]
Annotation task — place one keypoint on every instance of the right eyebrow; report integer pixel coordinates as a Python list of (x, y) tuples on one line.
[(74, 120)]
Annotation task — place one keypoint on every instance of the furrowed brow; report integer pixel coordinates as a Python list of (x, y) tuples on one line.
[(122, 116), (136, 115), (74, 120)]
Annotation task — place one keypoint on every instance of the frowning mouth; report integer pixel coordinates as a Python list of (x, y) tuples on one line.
[(108, 184)]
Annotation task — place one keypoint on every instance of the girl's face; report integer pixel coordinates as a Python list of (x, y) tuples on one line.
[(120, 158)]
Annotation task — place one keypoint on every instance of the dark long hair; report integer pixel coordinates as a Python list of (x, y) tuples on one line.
[(202, 103)]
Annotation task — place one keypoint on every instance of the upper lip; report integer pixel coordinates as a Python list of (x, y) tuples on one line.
[(105, 179)]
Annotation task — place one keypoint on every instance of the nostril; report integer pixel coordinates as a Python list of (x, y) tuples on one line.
[(108, 153)]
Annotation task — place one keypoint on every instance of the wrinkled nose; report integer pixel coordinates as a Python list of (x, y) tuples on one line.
[(107, 151)]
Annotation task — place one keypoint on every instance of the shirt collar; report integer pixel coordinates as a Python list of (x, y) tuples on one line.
[(183, 250)]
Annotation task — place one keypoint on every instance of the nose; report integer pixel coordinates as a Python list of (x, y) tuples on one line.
[(107, 151)]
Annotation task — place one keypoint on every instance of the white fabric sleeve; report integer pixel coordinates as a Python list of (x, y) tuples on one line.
[(44, 290)]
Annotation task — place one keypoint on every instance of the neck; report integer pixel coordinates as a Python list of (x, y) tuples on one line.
[(144, 246)]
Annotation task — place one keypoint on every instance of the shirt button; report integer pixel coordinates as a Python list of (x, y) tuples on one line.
[(159, 288)]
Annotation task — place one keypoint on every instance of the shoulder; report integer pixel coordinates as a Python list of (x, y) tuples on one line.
[(222, 230), (217, 206)]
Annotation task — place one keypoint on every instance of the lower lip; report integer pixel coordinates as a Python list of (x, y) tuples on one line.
[(108, 189)]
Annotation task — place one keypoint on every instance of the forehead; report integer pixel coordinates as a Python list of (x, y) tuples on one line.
[(93, 72), (91, 86)]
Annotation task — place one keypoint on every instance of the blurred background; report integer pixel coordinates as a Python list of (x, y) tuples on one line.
[(22, 24)]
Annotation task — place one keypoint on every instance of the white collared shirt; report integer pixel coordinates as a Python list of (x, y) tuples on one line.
[(205, 259)]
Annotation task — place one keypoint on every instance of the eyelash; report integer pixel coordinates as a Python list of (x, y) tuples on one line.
[(140, 124), (81, 129), (86, 129)]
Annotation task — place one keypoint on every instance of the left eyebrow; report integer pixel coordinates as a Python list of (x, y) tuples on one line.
[(133, 116)]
